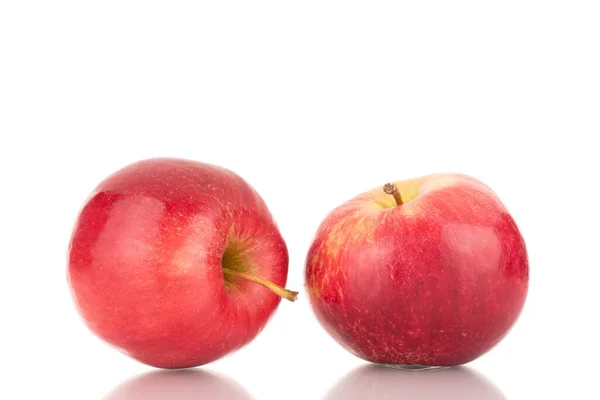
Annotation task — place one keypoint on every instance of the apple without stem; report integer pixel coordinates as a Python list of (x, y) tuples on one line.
[(425, 272), (176, 263)]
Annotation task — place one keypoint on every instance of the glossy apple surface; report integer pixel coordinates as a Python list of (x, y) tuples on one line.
[(148, 254), (436, 281)]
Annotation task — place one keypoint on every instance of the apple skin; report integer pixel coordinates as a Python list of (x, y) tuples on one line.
[(436, 281), (145, 262)]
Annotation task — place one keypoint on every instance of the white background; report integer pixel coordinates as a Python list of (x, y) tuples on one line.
[(312, 102)]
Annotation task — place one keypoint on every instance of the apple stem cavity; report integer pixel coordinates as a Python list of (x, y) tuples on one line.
[(278, 290), (391, 189)]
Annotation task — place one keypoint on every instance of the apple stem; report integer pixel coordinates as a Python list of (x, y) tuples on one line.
[(390, 188), (278, 290)]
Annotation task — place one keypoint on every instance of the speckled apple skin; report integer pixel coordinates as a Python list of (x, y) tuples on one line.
[(437, 281), (145, 262)]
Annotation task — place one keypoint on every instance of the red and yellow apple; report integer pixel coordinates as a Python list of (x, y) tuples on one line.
[(431, 271), (176, 263)]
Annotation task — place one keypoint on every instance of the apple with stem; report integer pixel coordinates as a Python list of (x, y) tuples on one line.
[(431, 271), (176, 263)]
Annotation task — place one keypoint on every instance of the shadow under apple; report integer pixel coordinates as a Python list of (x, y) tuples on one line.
[(385, 383), (178, 385)]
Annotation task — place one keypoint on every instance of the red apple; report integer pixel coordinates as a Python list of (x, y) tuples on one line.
[(431, 271), (176, 263)]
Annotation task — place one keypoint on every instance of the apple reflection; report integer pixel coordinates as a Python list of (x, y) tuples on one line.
[(179, 385), (385, 383)]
